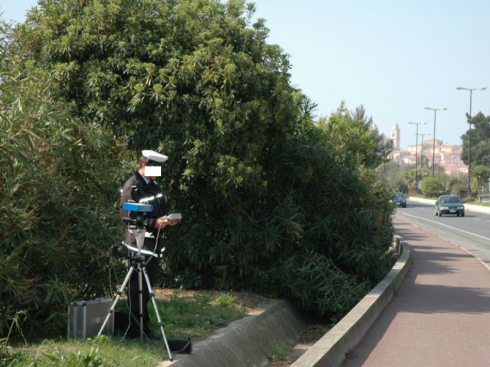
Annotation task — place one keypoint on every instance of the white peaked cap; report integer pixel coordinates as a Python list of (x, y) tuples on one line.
[(154, 157)]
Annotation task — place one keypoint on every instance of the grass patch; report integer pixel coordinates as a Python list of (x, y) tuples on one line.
[(194, 314), (278, 352), (198, 316), (102, 351)]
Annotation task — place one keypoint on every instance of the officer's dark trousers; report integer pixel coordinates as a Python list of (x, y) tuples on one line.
[(151, 267)]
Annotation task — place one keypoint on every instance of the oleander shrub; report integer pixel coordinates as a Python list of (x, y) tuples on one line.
[(58, 214), (272, 201)]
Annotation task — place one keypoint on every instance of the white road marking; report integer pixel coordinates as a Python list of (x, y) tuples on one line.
[(445, 225)]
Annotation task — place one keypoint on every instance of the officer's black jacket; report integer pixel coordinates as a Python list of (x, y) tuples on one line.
[(138, 190)]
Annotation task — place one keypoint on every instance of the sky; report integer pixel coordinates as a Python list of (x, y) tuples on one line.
[(392, 57)]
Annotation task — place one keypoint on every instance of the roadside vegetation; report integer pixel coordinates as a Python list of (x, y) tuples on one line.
[(402, 179), (276, 201)]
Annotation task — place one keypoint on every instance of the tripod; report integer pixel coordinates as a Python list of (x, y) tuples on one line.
[(137, 264)]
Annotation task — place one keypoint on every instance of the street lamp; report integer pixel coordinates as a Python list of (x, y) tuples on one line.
[(434, 141), (422, 148), (423, 140), (416, 150), (469, 138)]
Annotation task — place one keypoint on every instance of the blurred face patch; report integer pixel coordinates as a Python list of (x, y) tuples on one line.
[(153, 171)]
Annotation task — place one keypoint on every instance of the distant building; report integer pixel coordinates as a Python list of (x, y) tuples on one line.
[(395, 136), (445, 155)]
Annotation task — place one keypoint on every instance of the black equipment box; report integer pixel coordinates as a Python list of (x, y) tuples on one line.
[(182, 346), (85, 318)]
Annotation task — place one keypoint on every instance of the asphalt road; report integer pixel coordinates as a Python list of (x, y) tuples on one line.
[(471, 232)]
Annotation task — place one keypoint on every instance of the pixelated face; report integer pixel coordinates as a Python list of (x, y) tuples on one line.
[(152, 172)]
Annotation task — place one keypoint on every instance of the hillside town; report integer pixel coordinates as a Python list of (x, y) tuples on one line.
[(444, 154)]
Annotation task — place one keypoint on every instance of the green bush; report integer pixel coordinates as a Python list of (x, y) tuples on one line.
[(57, 205), (432, 187), (57, 218), (272, 202)]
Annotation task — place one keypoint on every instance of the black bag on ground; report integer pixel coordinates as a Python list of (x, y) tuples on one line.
[(180, 346)]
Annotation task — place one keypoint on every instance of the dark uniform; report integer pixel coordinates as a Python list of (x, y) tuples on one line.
[(138, 189)]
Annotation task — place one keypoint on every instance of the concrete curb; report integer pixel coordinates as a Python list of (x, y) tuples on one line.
[(246, 342), (330, 351)]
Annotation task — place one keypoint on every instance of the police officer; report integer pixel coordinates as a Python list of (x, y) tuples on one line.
[(142, 188)]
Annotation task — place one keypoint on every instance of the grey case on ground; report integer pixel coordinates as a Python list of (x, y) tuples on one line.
[(85, 318)]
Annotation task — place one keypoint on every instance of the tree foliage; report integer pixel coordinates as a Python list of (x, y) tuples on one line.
[(479, 179), (357, 130), (392, 175), (480, 141), (56, 199), (421, 173), (432, 186), (272, 203)]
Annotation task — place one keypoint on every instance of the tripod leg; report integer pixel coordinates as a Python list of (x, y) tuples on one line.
[(119, 293), (160, 323), (140, 291)]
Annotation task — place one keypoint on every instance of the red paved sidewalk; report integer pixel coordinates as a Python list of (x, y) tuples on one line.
[(440, 316)]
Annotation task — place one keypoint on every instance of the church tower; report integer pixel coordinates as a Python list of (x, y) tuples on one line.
[(395, 137)]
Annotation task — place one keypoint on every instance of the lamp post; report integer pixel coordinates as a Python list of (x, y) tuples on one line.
[(469, 137), (416, 150), (422, 148), (434, 141)]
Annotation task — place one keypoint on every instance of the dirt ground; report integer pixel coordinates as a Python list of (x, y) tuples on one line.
[(311, 335)]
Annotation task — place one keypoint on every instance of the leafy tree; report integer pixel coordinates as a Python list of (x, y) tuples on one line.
[(393, 176), (423, 161), (272, 203), (432, 186), (410, 176), (56, 199), (355, 131), (368, 142), (479, 179), (458, 185), (480, 141)]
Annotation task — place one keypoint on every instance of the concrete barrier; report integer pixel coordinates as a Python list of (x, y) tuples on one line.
[(248, 341)]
